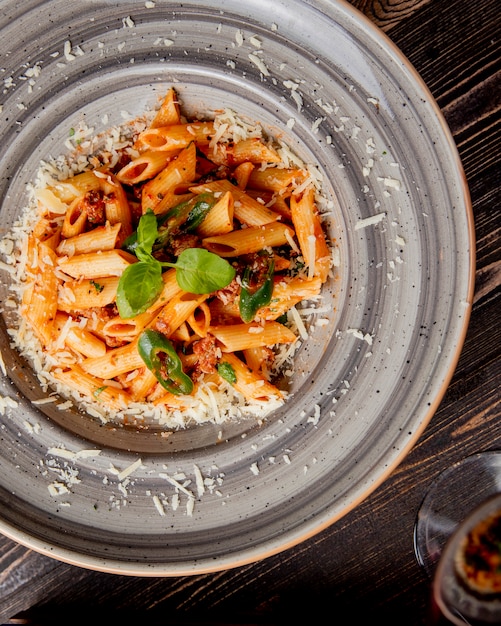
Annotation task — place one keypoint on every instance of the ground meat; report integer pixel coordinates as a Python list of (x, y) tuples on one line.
[(229, 293), (267, 362), (93, 204), (115, 342), (104, 314), (206, 351), (183, 242), (163, 327)]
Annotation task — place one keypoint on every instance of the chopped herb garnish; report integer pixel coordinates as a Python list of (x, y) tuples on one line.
[(97, 286), (226, 371), (97, 392)]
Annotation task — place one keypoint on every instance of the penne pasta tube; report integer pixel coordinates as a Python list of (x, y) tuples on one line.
[(96, 264), (242, 174), (287, 293), (44, 232), (116, 205), (94, 387), (39, 306), (248, 240), (310, 234), (177, 136), (247, 210), (78, 339), (236, 337), (200, 319), (141, 384), (115, 362), (76, 187), (129, 328), (258, 359), (219, 219), (254, 151), (100, 238), (145, 166), (75, 219), (249, 383), (274, 179), (177, 311), (168, 113), (182, 334), (87, 294), (160, 193)]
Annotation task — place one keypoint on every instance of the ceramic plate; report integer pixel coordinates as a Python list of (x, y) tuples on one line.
[(368, 381)]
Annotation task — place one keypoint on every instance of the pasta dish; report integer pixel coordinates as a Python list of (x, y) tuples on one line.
[(165, 282)]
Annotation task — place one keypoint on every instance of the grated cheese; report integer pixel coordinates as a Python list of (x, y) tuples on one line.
[(209, 402)]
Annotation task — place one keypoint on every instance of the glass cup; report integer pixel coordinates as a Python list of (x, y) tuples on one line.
[(457, 540)]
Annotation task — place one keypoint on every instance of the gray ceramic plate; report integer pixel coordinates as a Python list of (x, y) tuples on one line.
[(368, 382)]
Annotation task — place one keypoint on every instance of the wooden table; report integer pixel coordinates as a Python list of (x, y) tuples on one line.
[(364, 565)]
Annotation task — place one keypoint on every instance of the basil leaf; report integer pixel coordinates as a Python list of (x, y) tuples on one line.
[(200, 271), (139, 286), (147, 231)]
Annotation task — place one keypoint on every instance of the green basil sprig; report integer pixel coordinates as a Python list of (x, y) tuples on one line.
[(197, 271), (160, 356), (251, 301)]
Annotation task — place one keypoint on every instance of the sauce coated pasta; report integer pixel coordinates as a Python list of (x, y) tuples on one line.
[(168, 277)]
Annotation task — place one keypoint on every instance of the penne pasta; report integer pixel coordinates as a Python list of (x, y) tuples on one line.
[(250, 384), (127, 329), (161, 193), (248, 240), (75, 219), (100, 238), (168, 113), (200, 320), (310, 234), (258, 359), (236, 337), (76, 187), (275, 179), (247, 210), (153, 281), (94, 387), (78, 339), (96, 264), (242, 174), (287, 293), (145, 166), (177, 311), (140, 384), (115, 362), (87, 294), (177, 136), (39, 306), (219, 220), (116, 205)]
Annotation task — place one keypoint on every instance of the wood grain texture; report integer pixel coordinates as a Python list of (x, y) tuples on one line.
[(363, 565)]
